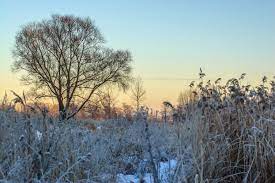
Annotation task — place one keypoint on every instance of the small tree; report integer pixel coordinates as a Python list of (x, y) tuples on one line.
[(138, 93), (108, 102), (127, 111), (64, 58)]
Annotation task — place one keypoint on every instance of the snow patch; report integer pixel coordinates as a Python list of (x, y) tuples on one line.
[(166, 169), (38, 135)]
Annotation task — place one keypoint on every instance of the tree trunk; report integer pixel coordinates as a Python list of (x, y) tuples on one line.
[(62, 111)]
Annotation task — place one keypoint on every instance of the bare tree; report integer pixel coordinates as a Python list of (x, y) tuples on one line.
[(108, 102), (127, 111), (93, 110), (138, 93), (65, 58)]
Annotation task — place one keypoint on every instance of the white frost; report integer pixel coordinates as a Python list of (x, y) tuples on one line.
[(38, 135), (165, 168)]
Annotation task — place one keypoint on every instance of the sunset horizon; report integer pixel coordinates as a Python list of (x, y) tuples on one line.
[(138, 91), (224, 39)]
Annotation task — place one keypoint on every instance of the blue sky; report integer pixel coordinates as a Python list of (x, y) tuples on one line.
[(168, 39)]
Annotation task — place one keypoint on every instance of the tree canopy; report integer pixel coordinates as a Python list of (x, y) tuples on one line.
[(65, 58)]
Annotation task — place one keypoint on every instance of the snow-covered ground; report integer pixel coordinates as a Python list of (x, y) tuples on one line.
[(165, 170)]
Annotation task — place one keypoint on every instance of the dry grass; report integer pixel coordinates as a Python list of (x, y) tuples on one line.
[(223, 133), (233, 132), (71, 152)]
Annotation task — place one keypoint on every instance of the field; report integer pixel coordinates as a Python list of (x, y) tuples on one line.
[(220, 133)]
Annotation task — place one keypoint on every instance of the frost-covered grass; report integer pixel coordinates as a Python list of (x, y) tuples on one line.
[(43, 149), (225, 133), (232, 131)]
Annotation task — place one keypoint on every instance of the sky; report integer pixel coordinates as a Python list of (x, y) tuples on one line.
[(169, 40)]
